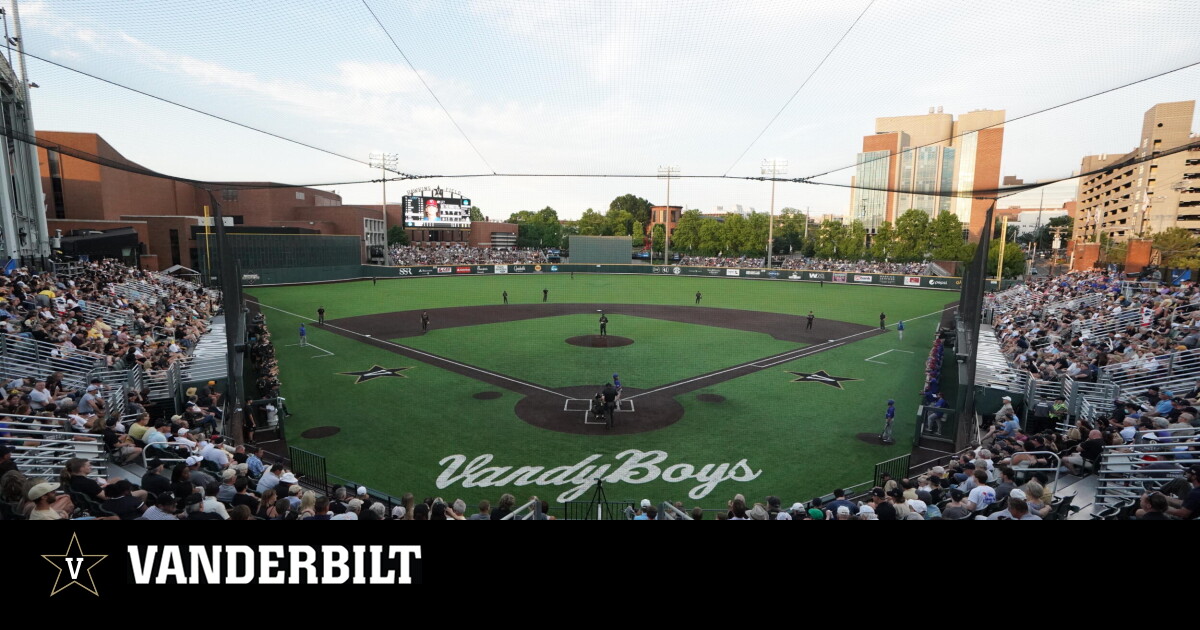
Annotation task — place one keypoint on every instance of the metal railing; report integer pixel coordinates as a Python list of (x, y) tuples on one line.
[(1075, 303), (1128, 471), (1109, 325), (1176, 370), (993, 369), (42, 449), (24, 356)]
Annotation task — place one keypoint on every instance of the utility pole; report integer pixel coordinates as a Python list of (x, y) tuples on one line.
[(665, 172), (772, 168), (384, 162)]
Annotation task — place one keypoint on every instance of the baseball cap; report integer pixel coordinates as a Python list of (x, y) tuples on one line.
[(878, 492), (362, 490), (1008, 398), (41, 490), (1017, 493), (891, 402), (398, 512), (843, 510), (646, 503), (192, 461), (288, 478)]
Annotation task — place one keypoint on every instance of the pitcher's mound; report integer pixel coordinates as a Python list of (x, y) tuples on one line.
[(596, 341)]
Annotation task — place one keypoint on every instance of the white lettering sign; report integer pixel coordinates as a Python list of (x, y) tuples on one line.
[(639, 467)]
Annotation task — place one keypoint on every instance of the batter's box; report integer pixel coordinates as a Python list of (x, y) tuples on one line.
[(585, 404)]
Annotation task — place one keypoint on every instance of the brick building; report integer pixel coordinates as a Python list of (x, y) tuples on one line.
[(910, 157), (169, 216)]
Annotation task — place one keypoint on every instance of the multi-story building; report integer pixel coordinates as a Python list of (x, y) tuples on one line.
[(163, 221), (1133, 200), (910, 160)]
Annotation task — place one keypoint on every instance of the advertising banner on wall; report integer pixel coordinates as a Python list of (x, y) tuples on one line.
[(839, 277)]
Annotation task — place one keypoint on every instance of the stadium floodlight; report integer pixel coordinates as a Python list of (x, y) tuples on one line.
[(384, 162), (774, 168), (668, 173)]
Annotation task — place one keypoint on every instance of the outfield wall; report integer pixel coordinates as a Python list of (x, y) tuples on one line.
[(836, 277)]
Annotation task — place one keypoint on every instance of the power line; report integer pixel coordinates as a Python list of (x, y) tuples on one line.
[(1040, 111), (427, 88), (806, 80), (187, 107)]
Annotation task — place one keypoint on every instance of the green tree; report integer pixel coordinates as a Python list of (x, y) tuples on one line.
[(1014, 259), (593, 223), (396, 235), (537, 229), (828, 236), (711, 232), (757, 226), (637, 235), (912, 235), (853, 241), (620, 222), (637, 207), (686, 237), (1176, 245), (883, 246), (657, 237), (946, 237), (476, 214)]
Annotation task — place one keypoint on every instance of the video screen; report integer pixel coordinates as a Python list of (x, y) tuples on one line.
[(437, 212)]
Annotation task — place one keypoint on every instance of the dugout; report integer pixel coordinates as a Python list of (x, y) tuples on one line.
[(291, 258), (601, 249)]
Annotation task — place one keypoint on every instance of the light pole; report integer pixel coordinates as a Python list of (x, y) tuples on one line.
[(773, 168), (384, 162), (667, 173)]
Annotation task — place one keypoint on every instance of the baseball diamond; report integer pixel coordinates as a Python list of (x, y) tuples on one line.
[(706, 389)]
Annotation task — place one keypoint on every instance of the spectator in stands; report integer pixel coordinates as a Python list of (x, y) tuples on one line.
[(1154, 506), (210, 504), (955, 510), (1088, 451), (121, 501), (982, 495), (1189, 508), (485, 511), (271, 478), (153, 482), (504, 508), (320, 509), (254, 461), (266, 505), (1007, 484), (227, 490), (164, 509), (1017, 509), (353, 509)]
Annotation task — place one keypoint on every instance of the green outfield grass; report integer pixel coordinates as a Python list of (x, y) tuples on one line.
[(847, 303), (797, 439), (535, 350)]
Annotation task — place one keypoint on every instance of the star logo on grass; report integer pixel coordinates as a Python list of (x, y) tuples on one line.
[(377, 372), (822, 377), (77, 565)]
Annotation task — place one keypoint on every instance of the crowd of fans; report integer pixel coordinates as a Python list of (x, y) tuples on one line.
[(808, 264), (1051, 345), (62, 311), (455, 255)]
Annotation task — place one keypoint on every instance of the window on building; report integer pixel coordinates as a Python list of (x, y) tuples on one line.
[(56, 186), (175, 248), (300, 196)]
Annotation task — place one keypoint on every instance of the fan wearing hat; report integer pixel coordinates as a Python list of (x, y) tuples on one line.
[(43, 497)]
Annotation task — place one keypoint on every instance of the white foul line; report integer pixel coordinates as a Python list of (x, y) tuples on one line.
[(799, 354), (312, 345), (432, 356), (883, 353)]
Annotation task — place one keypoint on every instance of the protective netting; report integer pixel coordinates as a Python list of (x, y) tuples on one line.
[(302, 91)]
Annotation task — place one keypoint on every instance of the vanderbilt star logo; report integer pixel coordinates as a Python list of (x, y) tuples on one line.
[(377, 372), (822, 377), (75, 563)]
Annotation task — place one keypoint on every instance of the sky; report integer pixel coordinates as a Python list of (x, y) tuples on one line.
[(528, 88)]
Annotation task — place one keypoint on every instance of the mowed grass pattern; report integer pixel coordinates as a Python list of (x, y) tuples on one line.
[(798, 437), (535, 350)]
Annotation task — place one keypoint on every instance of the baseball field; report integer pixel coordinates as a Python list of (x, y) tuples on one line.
[(732, 395)]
